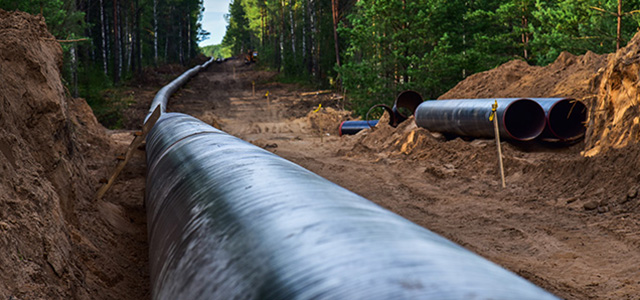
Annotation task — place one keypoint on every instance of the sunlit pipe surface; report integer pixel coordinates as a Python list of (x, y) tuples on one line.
[(353, 127), (518, 119), (165, 92), (228, 220), (566, 118)]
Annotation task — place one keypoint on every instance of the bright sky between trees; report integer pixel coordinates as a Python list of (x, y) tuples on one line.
[(213, 20)]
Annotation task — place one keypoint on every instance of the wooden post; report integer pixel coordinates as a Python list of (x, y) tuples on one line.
[(253, 86), (494, 118)]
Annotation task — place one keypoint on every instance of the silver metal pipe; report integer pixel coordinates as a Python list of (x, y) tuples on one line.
[(228, 220), (518, 119)]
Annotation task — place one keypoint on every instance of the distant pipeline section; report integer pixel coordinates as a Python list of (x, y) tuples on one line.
[(228, 220), (520, 119)]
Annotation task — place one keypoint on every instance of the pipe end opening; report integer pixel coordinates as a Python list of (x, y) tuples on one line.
[(524, 119), (567, 118)]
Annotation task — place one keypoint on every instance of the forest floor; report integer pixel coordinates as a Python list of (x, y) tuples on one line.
[(565, 222)]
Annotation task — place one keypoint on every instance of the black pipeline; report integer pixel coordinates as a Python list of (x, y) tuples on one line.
[(353, 127), (518, 119), (565, 118), (228, 220), (162, 96)]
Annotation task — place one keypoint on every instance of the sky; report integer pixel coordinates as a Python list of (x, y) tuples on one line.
[(213, 20)]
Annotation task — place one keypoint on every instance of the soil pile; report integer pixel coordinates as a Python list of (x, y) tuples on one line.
[(56, 241), (569, 76), (327, 120), (614, 120), (606, 83)]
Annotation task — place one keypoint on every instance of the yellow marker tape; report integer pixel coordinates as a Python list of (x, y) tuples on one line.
[(267, 94), (493, 111), (317, 109)]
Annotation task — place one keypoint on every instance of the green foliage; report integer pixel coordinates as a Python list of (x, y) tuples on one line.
[(430, 45), (63, 20), (217, 51), (578, 26), (394, 46), (238, 35)]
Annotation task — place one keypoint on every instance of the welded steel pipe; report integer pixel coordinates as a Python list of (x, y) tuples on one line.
[(518, 119), (353, 127), (565, 118), (162, 96), (229, 220)]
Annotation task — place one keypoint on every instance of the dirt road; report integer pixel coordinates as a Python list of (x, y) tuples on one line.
[(567, 223)]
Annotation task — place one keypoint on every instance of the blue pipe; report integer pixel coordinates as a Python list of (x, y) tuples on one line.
[(353, 127)]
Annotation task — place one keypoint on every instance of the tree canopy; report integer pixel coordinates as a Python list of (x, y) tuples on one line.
[(385, 46)]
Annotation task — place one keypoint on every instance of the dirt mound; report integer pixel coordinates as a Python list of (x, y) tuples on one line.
[(568, 76), (614, 120), (52, 237), (327, 120), (606, 83)]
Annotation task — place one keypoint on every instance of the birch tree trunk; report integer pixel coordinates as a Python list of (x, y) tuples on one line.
[(293, 33), (116, 44), (155, 32), (104, 39)]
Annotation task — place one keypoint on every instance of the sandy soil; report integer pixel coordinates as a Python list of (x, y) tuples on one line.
[(565, 222)]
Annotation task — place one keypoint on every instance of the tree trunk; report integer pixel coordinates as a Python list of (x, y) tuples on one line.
[(525, 35), (188, 37), (334, 9), (262, 28), (304, 32), (312, 35), (282, 30), (116, 44), (155, 32), (618, 35), (293, 33), (74, 70), (180, 42), (138, 53), (128, 40), (120, 42), (104, 39)]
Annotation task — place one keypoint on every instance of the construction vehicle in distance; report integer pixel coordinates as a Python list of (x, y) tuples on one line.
[(250, 57)]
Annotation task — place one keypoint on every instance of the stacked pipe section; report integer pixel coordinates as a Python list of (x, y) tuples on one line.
[(565, 118), (229, 220), (521, 119), (518, 119)]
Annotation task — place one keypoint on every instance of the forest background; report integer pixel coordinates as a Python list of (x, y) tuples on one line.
[(368, 49)]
